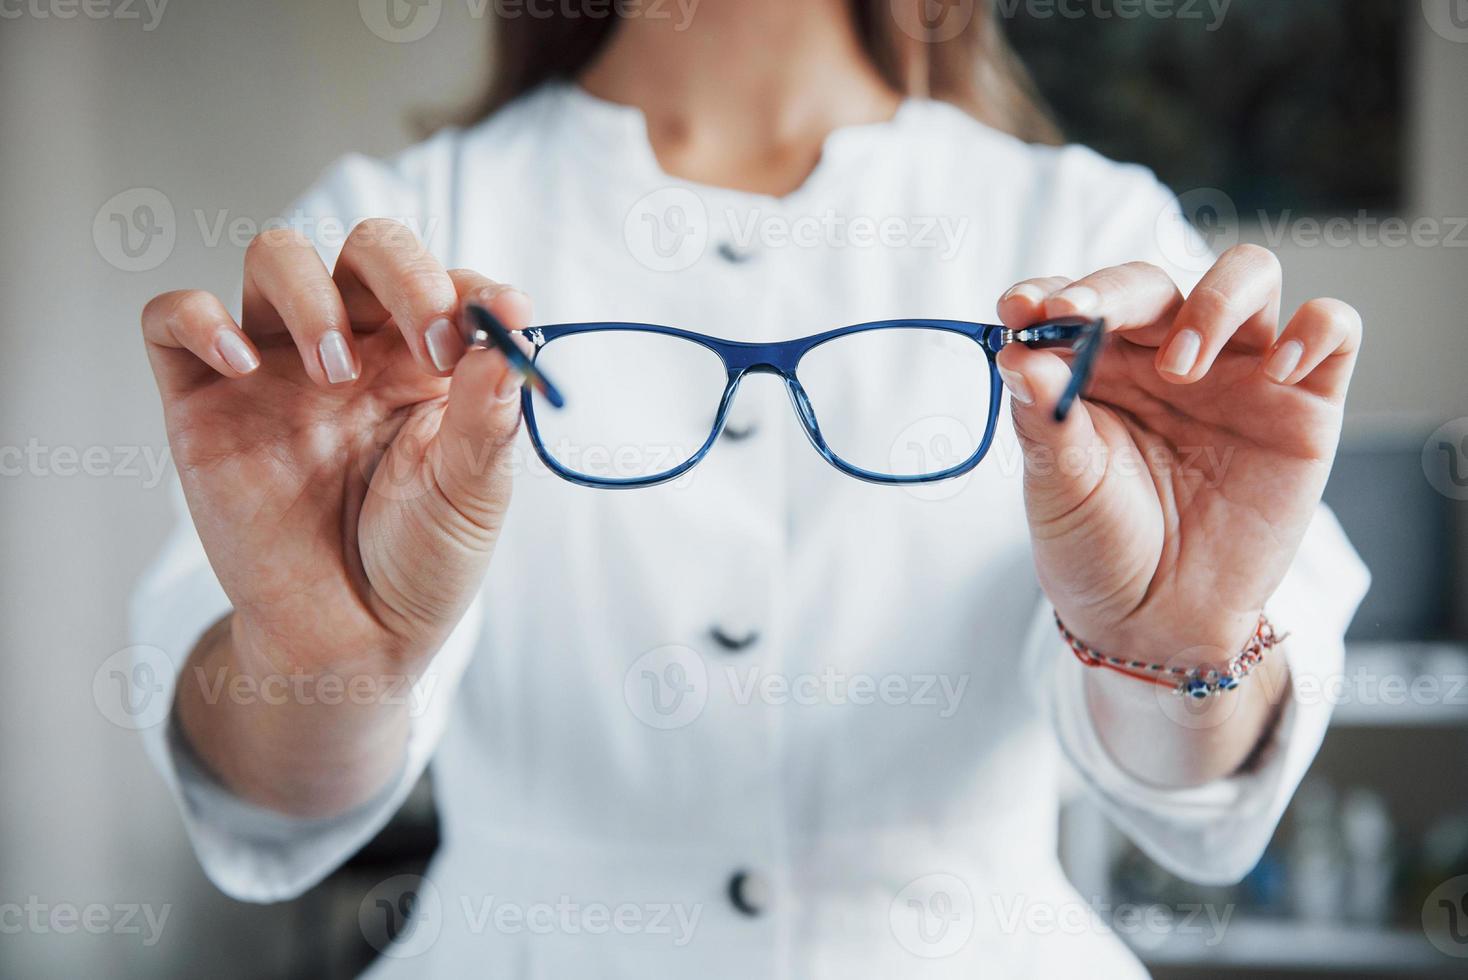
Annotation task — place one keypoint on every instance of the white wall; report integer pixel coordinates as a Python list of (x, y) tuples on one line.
[(225, 107), (234, 107)]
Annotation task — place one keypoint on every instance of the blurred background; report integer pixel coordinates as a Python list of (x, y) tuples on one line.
[(1333, 131)]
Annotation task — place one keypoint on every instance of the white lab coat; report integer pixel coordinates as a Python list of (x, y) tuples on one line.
[(884, 758)]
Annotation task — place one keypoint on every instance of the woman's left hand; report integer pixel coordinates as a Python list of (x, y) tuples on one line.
[(1168, 506)]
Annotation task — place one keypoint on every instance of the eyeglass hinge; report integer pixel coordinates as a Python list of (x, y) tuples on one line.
[(535, 336)]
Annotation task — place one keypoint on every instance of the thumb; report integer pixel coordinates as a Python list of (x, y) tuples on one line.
[(1064, 461), (475, 436)]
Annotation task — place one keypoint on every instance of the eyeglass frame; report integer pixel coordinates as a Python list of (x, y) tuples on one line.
[(1082, 335)]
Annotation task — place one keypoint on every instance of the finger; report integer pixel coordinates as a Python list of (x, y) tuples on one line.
[(1130, 297), (288, 288), (1318, 348), (1061, 458), (478, 427), (1237, 300), (188, 329), (385, 271), (511, 305), (1024, 303), (480, 420)]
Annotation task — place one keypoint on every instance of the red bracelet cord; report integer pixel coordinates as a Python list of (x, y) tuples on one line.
[(1198, 682)]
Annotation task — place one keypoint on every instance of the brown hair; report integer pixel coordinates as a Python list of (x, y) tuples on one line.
[(975, 69)]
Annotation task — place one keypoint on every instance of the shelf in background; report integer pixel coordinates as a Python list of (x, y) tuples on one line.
[(1270, 944), (1402, 685)]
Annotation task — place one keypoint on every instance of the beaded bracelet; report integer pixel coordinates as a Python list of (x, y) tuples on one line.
[(1193, 682)]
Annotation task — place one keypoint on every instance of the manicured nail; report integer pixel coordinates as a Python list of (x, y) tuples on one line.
[(1284, 360), (236, 352), (509, 386), (1082, 299), (336, 360), (1182, 353), (444, 344), (1024, 290), (1019, 388)]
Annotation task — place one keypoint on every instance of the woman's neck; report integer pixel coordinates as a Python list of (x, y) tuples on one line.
[(742, 93)]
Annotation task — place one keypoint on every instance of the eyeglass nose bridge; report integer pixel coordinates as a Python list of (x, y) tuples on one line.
[(746, 358), (779, 360)]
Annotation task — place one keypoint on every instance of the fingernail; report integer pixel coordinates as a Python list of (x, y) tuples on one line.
[(336, 360), (509, 386), (1182, 353), (1082, 299), (1284, 360), (236, 352), (444, 344), (1019, 388), (515, 304), (1024, 291)]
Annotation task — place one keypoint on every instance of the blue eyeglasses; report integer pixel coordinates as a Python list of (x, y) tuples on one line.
[(893, 402)]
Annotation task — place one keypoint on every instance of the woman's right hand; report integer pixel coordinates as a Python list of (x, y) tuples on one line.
[(346, 462)]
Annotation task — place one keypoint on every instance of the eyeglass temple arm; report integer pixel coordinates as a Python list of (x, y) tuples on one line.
[(1084, 337)]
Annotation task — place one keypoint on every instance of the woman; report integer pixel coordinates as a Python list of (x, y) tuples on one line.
[(767, 719)]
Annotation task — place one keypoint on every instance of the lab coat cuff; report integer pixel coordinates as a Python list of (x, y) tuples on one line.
[(1215, 833), (258, 855)]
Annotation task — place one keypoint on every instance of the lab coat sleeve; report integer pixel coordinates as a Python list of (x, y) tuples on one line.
[(1215, 833), (251, 853)]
